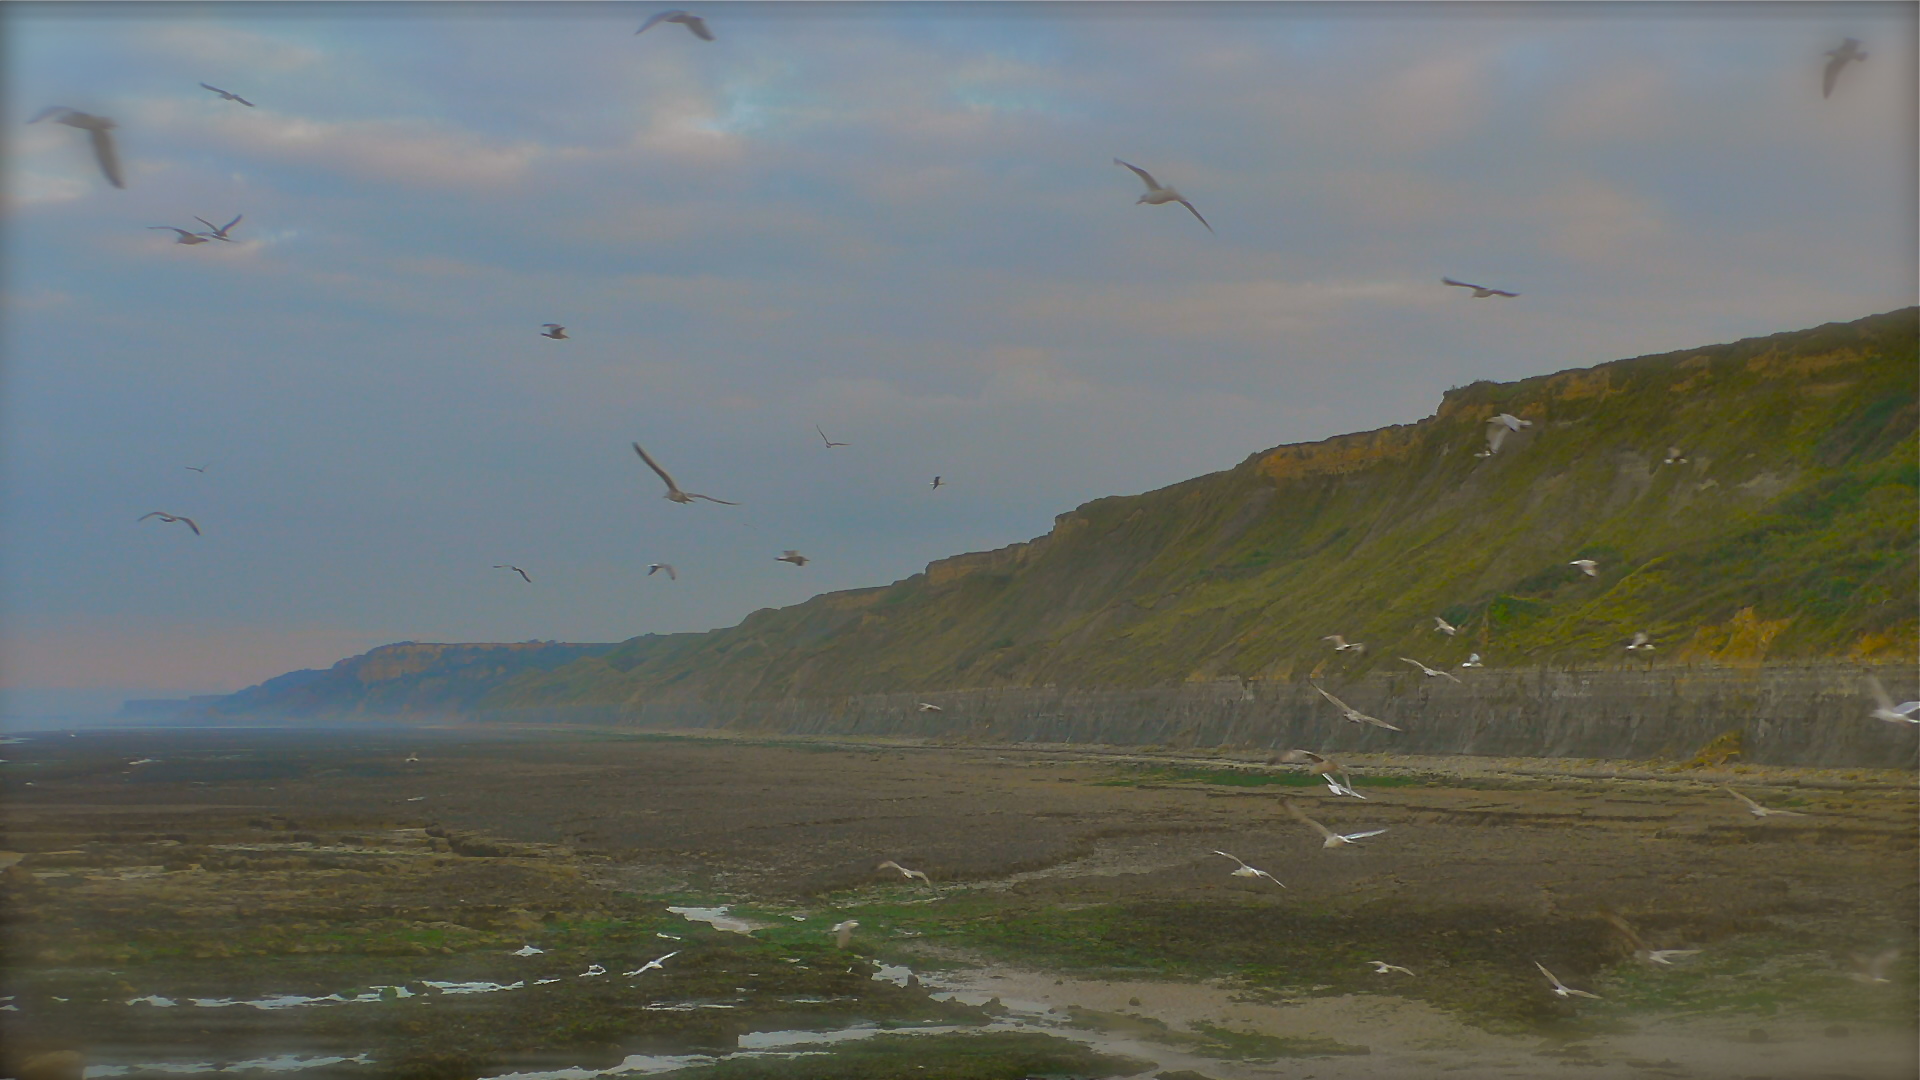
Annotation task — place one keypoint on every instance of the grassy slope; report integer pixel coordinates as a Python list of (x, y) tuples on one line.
[(1789, 534)]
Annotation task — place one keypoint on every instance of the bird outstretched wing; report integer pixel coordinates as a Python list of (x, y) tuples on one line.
[(1146, 177), (1196, 213)]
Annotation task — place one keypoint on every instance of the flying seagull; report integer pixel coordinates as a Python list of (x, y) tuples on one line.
[(1381, 967), (1497, 429), (673, 490), (1248, 871), (1442, 626), (1509, 421), (170, 518), (1885, 709), (413, 758), (1873, 969), (1673, 457), (1340, 643), (937, 482), (668, 567), (685, 18), (185, 237), (1587, 567), (1759, 811), (1333, 839), (1352, 714), (904, 872), (227, 96), (554, 330), (830, 443), (526, 950), (1157, 195), (197, 468), (1642, 950), (1479, 291), (843, 932), (219, 231), (1339, 788), (97, 128), (1317, 764), (1429, 672), (652, 965), (1641, 643), (924, 707), (1561, 989), (793, 557), (1848, 50), (515, 569), (1472, 660)]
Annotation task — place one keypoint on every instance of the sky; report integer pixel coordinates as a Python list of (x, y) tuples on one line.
[(900, 222)]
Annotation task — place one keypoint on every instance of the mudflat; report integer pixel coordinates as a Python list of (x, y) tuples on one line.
[(312, 902)]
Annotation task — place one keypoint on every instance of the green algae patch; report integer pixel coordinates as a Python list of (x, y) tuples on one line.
[(983, 1056)]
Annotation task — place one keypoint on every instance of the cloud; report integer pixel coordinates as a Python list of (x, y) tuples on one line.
[(1590, 220), (209, 44), (1251, 311)]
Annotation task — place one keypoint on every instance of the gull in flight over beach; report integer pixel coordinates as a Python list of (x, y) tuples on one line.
[(227, 96), (1157, 195), (1885, 709), (1442, 626), (1333, 839), (843, 932), (1479, 291), (413, 758), (924, 707), (1497, 430), (1561, 989), (1352, 714), (673, 490), (1873, 969), (1587, 567), (1472, 660), (793, 557), (652, 965), (1848, 50), (1429, 672), (1340, 643), (170, 518), (592, 970), (1249, 871), (668, 567), (197, 468), (904, 872), (1381, 967), (515, 569), (1317, 764), (526, 950), (685, 18), (553, 330), (1641, 949), (1339, 788), (1641, 642), (185, 237), (1673, 457), (97, 128), (830, 443), (219, 231), (1759, 811), (937, 483)]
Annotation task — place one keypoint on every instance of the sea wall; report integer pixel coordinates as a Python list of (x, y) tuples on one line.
[(1810, 716)]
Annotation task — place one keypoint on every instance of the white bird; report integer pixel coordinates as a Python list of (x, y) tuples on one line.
[(1317, 764), (219, 231), (651, 965), (1587, 567), (592, 970), (1333, 839), (1157, 195), (1495, 436), (145, 761), (924, 707), (1665, 957), (1885, 709), (1472, 660), (412, 758), (526, 950), (1381, 967), (227, 96), (1848, 50), (1673, 457), (793, 557), (668, 567), (1479, 291), (685, 18), (1759, 811), (1561, 989), (553, 330), (904, 872), (1340, 643), (97, 128), (673, 490), (1248, 871), (1509, 421), (185, 237), (1339, 787), (1873, 969), (937, 483), (170, 518), (830, 443), (1429, 672), (1642, 950), (1352, 714), (843, 932), (515, 569), (1641, 643), (1442, 626)]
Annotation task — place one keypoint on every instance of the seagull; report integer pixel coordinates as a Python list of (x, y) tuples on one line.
[(226, 96), (1480, 292), (1561, 989), (1248, 871), (185, 237), (793, 557), (96, 128), (198, 468), (651, 965), (1317, 764), (1340, 643), (673, 490), (1509, 421), (413, 758), (830, 443), (1156, 194), (592, 970), (554, 330), (1352, 714), (1334, 839), (170, 518), (924, 707), (843, 932), (219, 231), (1472, 660), (1673, 457), (1587, 567), (936, 483), (904, 872), (1429, 672), (1873, 969), (515, 569), (1641, 643), (1885, 709), (1381, 967), (668, 567), (1848, 50), (1759, 811), (145, 761), (526, 950), (685, 18), (1665, 957), (1641, 949), (1495, 436), (1339, 788), (1442, 626)]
